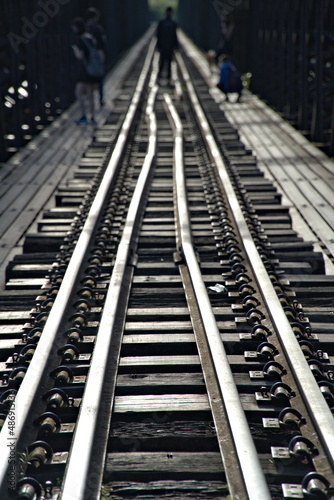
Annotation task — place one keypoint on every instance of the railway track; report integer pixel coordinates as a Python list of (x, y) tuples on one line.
[(176, 340)]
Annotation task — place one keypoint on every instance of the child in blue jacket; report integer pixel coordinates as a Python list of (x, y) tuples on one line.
[(229, 78)]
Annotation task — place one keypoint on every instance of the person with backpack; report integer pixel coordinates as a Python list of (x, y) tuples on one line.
[(97, 31), (229, 78), (89, 72), (167, 42)]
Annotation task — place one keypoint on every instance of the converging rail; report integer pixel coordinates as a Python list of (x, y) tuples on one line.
[(252, 474), (168, 352)]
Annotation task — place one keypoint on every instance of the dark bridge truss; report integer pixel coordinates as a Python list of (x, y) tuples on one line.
[(293, 63), (287, 45), (37, 66)]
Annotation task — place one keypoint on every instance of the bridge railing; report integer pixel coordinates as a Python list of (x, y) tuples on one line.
[(288, 47), (37, 66)]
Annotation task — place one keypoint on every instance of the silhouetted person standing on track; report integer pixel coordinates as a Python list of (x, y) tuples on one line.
[(85, 82), (167, 42), (97, 31)]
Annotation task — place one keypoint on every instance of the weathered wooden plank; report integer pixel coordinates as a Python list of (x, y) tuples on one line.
[(178, 490), (7, 317), (164, 279), (137, 361), (24, 271), (162, 313), (185, 360), (26, 283), (162, 402), (152, 379), (173, 326), (153, 338), (162, 462), (11, 330)]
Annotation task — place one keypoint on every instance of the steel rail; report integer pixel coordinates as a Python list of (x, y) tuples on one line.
[(78, 466), (252, 473), (319, 410), (38, 366)]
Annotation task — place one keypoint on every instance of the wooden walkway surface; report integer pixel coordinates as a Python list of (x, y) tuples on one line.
[(303, 173)]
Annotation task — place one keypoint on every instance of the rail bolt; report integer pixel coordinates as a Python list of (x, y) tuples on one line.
[(86, 293), (89, 281), (39, 453), (290, 313), (299, 330), (266, 351), (62, 374), (220, 204), (78, 320), (230, 241), (15, 357), (57, 280), (56, 398), (7, 398), (28, 489), (260, 332), (95, 259), (307, 349), (291, 417), (16, 376), (327, 389), (315, 486), (98, 251), (61, 269), (34, 335), (250, 302), (69, 353), (284, 299), (102, 236), (254, 316), (238, 268), (74, 335), (27, 353), (107, 220), (47, 304), (41, 319), (82, 306), (235, 257), (317, 368), (232, 247), (3, 417), (276, 284), (48, 488), (104, 229), (302, 448), (53, 291), (93, 271), (246, 289), (242, 279), (48, 423), (273, 370), (281, 392), (102, 242)]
